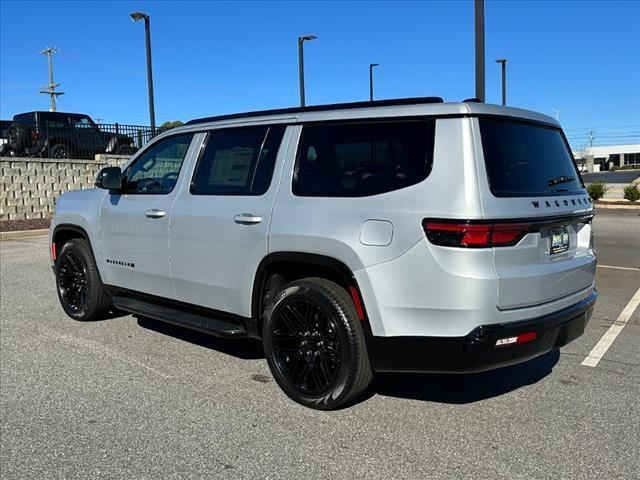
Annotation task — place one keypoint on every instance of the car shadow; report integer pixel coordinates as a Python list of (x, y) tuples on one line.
[(463, 388), (436, 387), (243, 348)]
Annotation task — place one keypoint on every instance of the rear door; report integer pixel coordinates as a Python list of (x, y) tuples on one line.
[(220, 224), (528, 177)]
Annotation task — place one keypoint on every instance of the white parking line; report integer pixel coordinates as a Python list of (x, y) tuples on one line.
[(619, 268), (610, 335)]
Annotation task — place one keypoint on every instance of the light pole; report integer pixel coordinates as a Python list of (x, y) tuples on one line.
[(301, 41), (503, 61), (371, 65), (479, 30), (137, 16)]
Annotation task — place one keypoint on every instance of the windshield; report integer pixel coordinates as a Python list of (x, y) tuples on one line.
[(525, 159)]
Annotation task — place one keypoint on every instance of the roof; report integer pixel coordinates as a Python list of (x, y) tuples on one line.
[(50, 113), (404, 107), (606, 150), (320, 108)]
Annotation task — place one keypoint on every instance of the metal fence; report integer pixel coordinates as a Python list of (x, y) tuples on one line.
[(74, 140)]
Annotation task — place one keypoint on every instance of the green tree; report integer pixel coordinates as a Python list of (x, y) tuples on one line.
[(168, 125)]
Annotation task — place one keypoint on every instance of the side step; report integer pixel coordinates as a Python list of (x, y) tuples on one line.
[(182, 318)]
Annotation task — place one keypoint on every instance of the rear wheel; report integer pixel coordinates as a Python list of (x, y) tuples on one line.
[(315, 346), (80, 290)]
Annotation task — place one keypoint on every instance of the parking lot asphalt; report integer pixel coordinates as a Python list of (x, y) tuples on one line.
[(134, 398)]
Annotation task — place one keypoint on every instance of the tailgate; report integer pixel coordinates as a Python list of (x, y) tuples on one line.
[(553, 261)]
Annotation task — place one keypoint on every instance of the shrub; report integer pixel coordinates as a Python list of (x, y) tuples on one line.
[(597, 190), (632, 193)]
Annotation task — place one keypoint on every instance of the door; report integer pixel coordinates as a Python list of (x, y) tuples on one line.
[(220, 224), (87, 138), (134, 223)]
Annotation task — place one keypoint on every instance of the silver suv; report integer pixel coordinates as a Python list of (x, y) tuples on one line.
[(405, 235)]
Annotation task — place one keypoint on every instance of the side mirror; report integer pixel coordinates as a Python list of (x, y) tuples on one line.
[(109, 178)]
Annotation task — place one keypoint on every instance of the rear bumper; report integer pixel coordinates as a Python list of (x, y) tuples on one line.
[(477, 351)]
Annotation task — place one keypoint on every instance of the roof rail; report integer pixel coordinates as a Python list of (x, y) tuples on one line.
[(321, 108)]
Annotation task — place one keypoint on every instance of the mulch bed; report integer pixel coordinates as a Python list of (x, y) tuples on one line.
[(15, 225)]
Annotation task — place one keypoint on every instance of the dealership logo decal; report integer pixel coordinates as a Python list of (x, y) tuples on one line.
[(556, 203)]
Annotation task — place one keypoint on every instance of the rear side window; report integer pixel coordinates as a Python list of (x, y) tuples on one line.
[(361, 159), (237, 161), (525, 159), (24, 118)]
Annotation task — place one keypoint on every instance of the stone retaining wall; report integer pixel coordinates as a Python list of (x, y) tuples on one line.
[(29, 186)]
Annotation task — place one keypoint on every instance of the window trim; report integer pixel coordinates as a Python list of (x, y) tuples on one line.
[(360, 121), (506, 119), (144, 151), (267, 127)]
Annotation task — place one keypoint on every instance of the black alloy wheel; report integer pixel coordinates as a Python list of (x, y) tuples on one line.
[(80, 289), (306, 346), (314, 344), (60, 151), (72, 281)]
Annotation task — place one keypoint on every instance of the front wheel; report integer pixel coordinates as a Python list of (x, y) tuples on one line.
[(80, 290), (59, 151), (315, 346)]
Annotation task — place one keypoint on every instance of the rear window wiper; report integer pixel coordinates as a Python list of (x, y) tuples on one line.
[(560, 179)]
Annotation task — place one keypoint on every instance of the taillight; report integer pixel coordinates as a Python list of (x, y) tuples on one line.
[(35, 136), (470, 235)]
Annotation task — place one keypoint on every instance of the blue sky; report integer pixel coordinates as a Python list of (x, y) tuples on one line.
[(582, 58)]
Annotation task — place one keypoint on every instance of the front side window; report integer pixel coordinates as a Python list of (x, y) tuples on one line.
[(526, 159), (361, 159), (237, 161), (82, 122), (156, 170)]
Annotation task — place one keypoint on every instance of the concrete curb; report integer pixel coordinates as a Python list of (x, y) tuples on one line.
[(628, 206), (23, 234)]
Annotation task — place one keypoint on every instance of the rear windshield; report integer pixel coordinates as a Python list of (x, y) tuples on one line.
[(524, 159)]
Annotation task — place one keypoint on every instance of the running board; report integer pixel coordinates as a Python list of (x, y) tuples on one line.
[(179, 317)]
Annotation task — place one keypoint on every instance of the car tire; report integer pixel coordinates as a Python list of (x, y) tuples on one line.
[(315, 346), (126, 150), (59, 150), (81, 292)]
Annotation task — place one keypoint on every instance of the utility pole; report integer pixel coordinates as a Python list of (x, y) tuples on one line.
[(557, 111), (479, 30), (50, 89), (371, 65), (592, 138)]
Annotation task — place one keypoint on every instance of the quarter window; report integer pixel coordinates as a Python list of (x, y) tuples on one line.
[(237, 161), (156, 170), (361, 159)]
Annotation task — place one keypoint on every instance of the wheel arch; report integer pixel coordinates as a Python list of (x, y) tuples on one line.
[(64, 232), (297, 265)]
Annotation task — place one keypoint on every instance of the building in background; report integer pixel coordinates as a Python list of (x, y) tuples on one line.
[(597, 159)]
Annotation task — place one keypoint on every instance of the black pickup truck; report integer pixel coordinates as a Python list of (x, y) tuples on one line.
[(61, 135)]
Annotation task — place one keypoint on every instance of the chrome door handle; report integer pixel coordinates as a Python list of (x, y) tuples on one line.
[(155, 213), (247, 219)]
